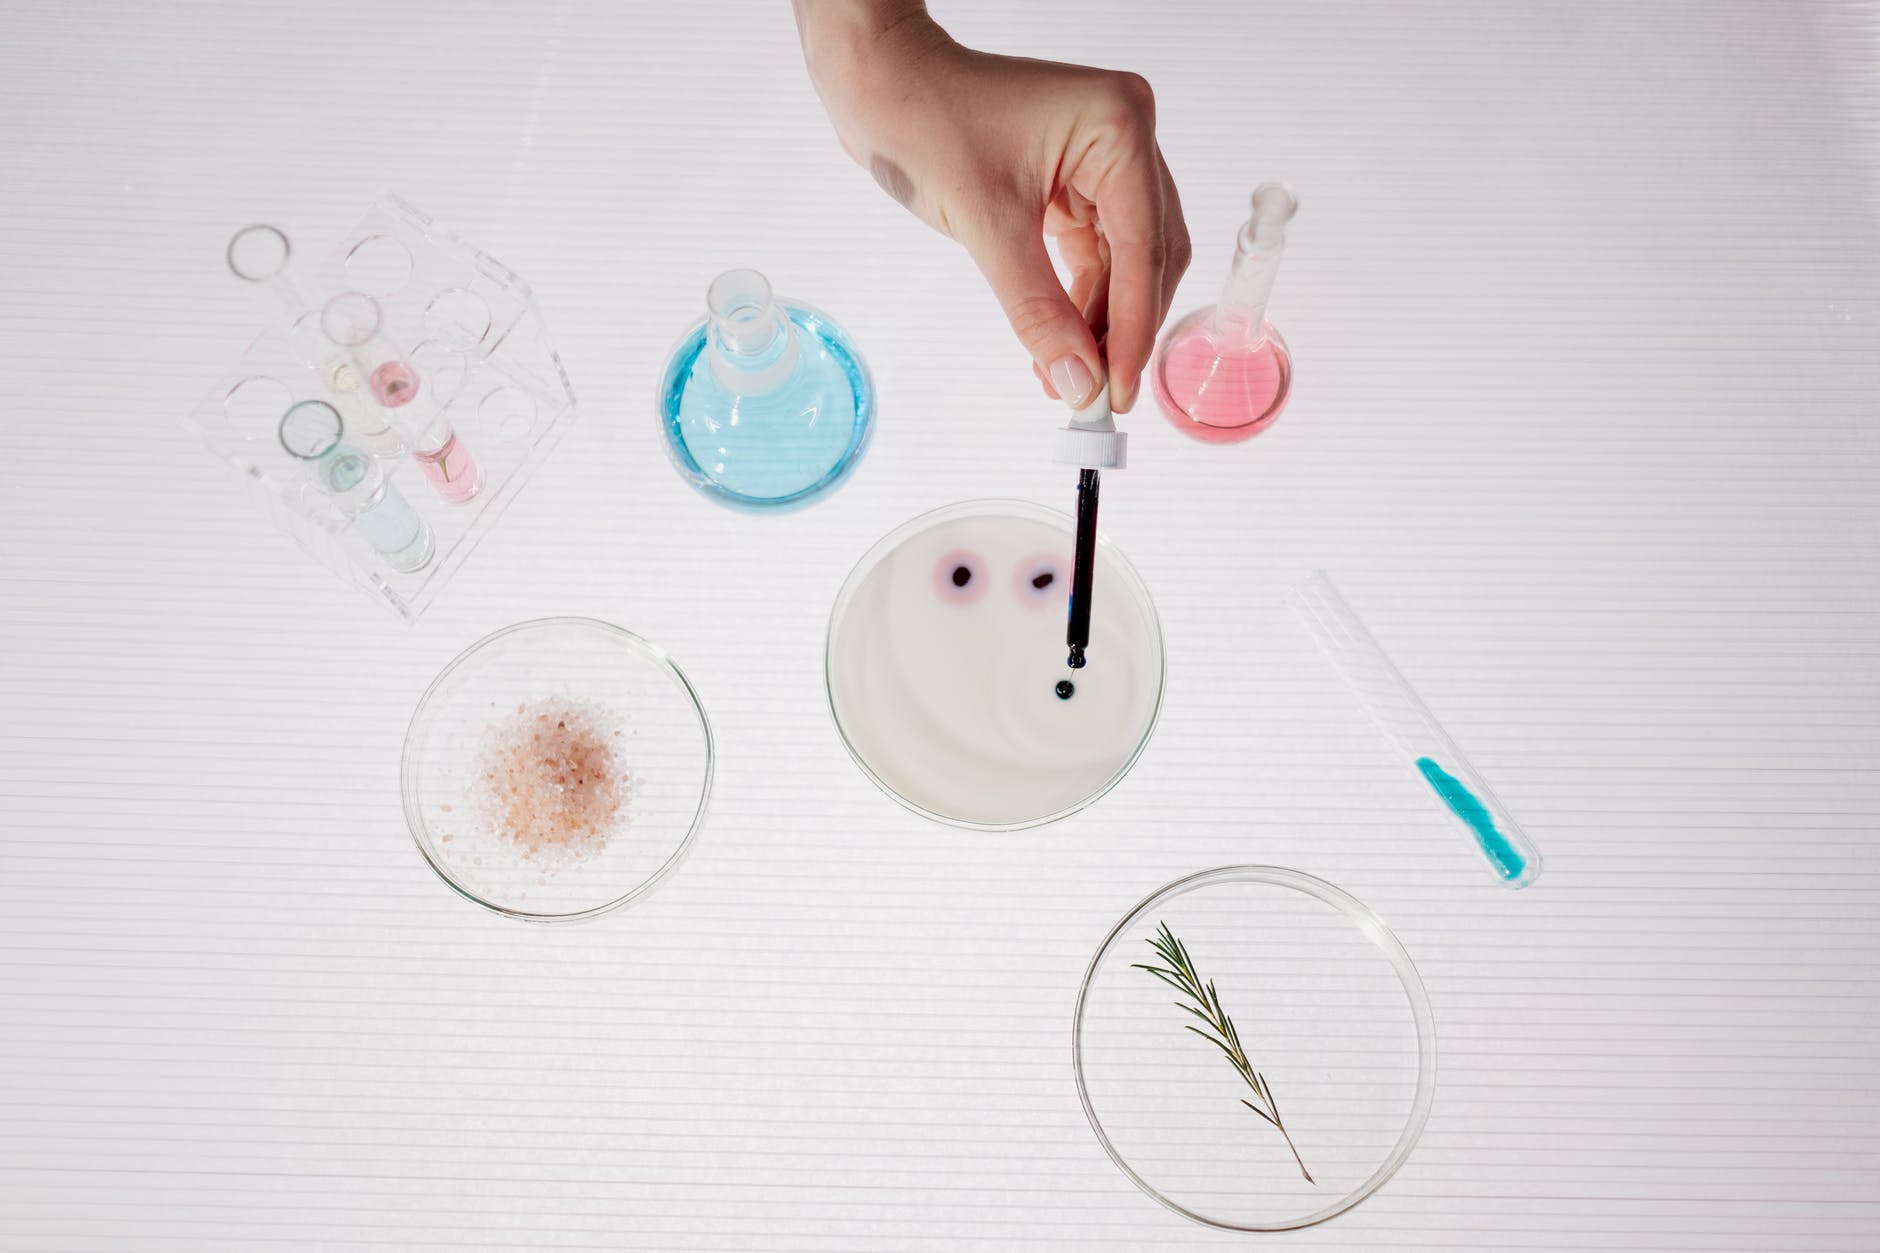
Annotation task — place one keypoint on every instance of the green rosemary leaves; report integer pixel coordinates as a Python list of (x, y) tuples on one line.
[(1178, 971)]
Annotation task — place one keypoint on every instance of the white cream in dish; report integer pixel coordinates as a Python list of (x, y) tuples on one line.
[(944, 659)]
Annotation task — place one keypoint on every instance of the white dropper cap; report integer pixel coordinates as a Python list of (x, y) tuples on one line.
[(1091, 440)]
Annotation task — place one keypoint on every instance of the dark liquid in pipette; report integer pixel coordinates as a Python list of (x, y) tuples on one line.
[(1083, 568)]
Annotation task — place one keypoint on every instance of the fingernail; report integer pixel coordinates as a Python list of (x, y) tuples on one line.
[(1072, 379)]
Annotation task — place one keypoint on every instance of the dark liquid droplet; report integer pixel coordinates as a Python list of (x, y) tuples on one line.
[(961, 576), (1066, 689), (1042, 581)]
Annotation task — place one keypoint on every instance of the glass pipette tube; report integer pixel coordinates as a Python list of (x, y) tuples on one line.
[(259, 254), (1413, 730), (312, 431)]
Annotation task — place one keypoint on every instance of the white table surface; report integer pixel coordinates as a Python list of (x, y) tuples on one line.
[(1583, 299)]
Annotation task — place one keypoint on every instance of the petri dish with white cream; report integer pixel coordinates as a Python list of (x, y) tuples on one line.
[(946, 674)]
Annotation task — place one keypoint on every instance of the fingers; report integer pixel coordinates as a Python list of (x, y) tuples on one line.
[(1141, 218), (1132, 217), (1149, 252), (1050, 326), (1084, 251), (1175, 227)]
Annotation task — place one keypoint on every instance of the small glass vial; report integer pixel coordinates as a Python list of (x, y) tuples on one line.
[(366, 424), (410, 402), (355, 322), (441, 454), (312, 431)]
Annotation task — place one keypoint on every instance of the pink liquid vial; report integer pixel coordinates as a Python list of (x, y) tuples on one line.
[(452, 471), (393, 383), (1223, 373)]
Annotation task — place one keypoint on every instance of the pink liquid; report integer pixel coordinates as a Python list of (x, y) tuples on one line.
[(394, 384), (1217, 395), (453, 472)]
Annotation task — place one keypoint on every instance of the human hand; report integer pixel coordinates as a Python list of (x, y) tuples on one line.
[(997, 153)]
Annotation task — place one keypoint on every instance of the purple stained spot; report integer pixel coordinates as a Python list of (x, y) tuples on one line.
[(960, 577), (1040, 581)]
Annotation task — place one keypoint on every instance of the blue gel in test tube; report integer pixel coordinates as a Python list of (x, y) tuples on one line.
[(1409, 725)]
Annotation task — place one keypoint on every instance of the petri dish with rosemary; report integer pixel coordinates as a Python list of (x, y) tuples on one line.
[(557, 770), (1255, 1049), (946, 669)]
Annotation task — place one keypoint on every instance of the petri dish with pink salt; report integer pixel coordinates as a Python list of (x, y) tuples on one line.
[(557, 770)]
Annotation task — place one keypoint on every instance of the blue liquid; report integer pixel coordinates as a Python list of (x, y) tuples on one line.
[(1502, 855), (388, 522), (780, 450)]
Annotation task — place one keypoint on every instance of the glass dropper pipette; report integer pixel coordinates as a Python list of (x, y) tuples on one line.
[(1091, 442)]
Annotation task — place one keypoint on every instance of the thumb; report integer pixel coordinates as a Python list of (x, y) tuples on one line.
[(1041, 313)]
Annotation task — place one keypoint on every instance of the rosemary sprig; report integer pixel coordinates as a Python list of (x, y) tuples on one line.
[(1179, 973)]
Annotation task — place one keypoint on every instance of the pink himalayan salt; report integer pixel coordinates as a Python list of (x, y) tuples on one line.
[(549, 782)]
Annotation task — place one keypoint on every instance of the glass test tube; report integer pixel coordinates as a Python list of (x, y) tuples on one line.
[(355, 322), (311, 431), (1408, 724), (430, 430), (366, 423), (259, 254)]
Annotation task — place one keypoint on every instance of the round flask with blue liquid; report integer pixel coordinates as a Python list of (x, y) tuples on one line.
[(765, 404)]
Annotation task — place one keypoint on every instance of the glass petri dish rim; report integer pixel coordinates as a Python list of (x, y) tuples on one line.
[(647, 650), (979, 508), (1374, 929)]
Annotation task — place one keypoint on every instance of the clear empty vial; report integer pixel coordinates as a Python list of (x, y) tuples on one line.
[(312, 431)]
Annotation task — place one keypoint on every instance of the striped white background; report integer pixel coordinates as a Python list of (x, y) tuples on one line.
[(1583, 299)]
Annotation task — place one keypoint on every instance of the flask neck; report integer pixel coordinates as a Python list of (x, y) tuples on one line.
[(750, 339), (1240, 317)]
